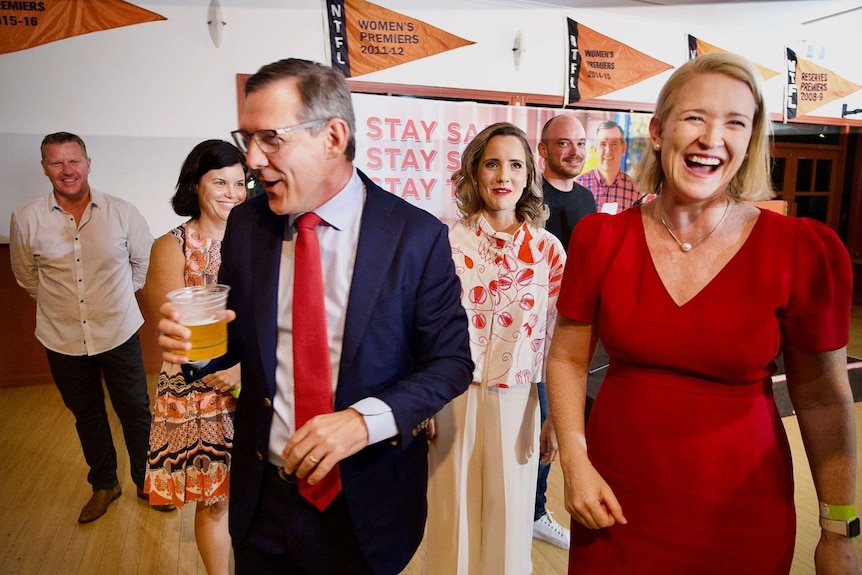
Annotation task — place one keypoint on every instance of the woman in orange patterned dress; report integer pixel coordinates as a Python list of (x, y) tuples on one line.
[(192, 429)]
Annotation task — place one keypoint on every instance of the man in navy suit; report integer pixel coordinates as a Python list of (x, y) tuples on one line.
[(397, 338)]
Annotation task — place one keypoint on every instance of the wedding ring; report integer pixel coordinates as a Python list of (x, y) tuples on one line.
[(313, 459)]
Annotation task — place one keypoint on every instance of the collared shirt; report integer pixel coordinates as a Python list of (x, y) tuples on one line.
[(338, 236), (622, 191), (83, 276), (509, 289)]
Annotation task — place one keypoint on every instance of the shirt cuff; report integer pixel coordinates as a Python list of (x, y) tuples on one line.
[(378, 417), (191, 369)]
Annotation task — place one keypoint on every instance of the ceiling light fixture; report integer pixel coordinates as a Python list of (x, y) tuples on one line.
[(518, 48), (215, 21)]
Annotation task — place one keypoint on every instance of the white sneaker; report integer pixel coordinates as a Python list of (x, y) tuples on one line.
[(546, 528)]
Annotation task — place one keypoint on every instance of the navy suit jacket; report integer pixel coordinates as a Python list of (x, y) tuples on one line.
[(405, 342)]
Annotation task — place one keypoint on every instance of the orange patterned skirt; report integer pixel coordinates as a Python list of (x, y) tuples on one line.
[(190, 441)]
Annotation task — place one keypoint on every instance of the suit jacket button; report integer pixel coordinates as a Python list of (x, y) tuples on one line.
[(259, 455), (267, 403)]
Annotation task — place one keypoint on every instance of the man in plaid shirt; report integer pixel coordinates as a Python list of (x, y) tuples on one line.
[(613, 189)]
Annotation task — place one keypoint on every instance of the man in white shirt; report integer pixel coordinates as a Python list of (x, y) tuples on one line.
[(81, 255)]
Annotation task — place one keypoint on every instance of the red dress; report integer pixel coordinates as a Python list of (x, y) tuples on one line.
[(684, 428)]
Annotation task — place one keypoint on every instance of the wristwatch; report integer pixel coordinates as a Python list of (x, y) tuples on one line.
[(840, 519), (845, 528)]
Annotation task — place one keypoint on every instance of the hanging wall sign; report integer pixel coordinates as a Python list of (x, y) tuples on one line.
[(810, 86), (598, 64), (697, 47), (28, 24), (412, 146), (365, 37)]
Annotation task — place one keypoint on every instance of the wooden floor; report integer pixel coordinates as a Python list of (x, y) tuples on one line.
[(43, 487)]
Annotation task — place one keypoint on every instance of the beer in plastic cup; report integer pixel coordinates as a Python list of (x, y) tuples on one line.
[(202, 310)]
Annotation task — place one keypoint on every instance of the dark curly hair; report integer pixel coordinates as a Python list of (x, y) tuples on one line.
[(206, 156)]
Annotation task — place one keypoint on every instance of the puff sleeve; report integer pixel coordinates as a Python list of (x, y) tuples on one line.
[(590, 250), (817, 316)]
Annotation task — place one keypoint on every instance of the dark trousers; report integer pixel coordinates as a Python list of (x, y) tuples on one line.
[(544, 470), (79, 379), (291, 537)]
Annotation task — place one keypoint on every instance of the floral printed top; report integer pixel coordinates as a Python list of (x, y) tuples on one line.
[(509, 288), (203, 256)]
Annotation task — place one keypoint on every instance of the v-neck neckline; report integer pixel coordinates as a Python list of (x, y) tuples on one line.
[(713, 279)]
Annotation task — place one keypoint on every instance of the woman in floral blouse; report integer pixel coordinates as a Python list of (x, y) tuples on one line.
[(485, 444)]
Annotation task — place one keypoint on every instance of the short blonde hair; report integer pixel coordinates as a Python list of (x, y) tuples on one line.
[(752, 181), (530, 208)]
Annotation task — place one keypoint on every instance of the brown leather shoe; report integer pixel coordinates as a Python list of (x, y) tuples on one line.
[(98, 504), (165, 508)]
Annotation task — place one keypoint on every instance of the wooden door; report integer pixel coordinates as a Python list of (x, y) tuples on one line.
[(809, 179)]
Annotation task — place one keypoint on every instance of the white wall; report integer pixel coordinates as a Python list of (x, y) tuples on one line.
[(142, 96)]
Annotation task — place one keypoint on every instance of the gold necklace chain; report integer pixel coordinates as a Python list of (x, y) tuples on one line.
[(688, 246)]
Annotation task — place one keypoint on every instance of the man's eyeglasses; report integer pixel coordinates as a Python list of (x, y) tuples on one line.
[(269, 140)]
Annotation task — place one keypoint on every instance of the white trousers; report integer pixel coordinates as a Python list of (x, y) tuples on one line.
[(482, 483)]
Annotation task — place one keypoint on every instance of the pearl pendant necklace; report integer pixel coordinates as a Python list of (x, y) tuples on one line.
[(688, 246)]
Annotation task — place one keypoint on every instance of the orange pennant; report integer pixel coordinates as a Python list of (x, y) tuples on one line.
[(810, 86), (599, 64), (365, 37), (29, 24), (697, 47)]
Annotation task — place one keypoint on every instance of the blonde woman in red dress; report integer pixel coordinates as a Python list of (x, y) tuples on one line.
[(684, 467)]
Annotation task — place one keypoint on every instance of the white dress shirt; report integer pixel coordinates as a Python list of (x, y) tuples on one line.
[(338, 236), (83, 276)]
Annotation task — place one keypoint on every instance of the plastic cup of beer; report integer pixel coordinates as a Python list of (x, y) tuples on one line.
[(202, 310)]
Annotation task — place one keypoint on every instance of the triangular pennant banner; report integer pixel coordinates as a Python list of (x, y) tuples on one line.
[(697, 47), (364, 37), (29, 24), (599, 64), (810, 86)]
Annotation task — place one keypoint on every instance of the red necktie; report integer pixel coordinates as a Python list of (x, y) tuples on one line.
[(312, 377)]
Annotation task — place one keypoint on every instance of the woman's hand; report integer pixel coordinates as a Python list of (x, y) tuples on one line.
[(820, 390), (224, 381), (590, 500), (835, 555), (548, 446)]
